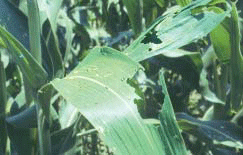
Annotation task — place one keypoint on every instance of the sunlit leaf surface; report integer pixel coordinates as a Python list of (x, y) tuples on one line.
[(98, 88), (173, 31)]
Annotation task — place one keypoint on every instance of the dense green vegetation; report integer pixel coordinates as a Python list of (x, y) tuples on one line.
[(127, 77)]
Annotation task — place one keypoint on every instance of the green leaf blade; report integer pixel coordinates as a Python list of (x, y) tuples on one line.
[(220, 38), (98, 88), (34, 72), (134, 8), (236, 61), (174, 31), (169, 129)]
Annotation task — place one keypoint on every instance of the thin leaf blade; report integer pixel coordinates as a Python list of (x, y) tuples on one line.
[(28, 65), (170, 133)]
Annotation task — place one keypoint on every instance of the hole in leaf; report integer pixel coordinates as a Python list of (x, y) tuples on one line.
[(151, 37)]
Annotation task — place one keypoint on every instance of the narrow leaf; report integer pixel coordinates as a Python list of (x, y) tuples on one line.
[(183, 3), (206, 92), (28, 65), (52, 53), (220, 38), (134, 9), (219, 132), (236, 61), (34, 29), (15, 22), (3, 102), (170, 133)]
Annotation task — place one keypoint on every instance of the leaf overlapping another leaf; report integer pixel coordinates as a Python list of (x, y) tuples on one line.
[(33, 71), (219, 132), (173, 31), (98, 88)]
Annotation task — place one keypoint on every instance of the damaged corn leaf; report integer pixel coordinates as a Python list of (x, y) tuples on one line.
[(175, 30), (98, 88)]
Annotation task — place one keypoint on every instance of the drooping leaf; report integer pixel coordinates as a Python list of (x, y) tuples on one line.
[(208, 58), (63, 140), (195, 57), (24, 119), (28, 65), (20, 143), (218, 132), (98, 88), (206, 92), (15, 22), (169, 129), (173, 31)]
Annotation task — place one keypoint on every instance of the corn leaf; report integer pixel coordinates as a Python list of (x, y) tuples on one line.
[(173, 31), (15, 22), (218, 132), (173, 140), (134, 9), (236, 61), (183, 3), (98, 88), (220, 38), (34, 29), (30, 68), (3, 102)]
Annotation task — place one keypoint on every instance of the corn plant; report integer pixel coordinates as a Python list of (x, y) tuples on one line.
[(72, 93)]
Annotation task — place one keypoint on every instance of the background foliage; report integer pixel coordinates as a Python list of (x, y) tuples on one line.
[(121, 77)]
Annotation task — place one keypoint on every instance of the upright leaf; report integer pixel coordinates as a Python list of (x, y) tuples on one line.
[(220, 38), (135, 12), (3, 101), (52, 54), (98, 88), (34, 29), (169, 129), (236, 61)]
